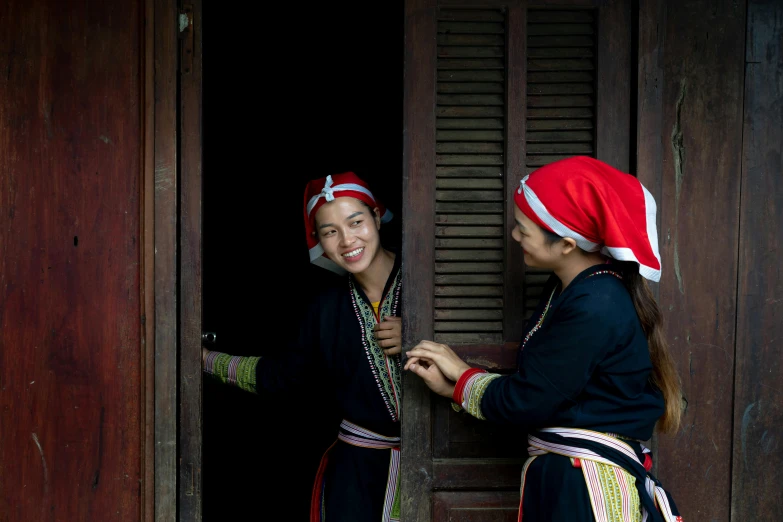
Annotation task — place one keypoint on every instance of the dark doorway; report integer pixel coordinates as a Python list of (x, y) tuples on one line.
[(290, 94)]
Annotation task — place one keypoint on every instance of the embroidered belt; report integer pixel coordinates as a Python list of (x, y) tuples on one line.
[(355, 435), (593, 451)]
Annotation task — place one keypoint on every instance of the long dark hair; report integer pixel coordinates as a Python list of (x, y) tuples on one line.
[(664, 373)]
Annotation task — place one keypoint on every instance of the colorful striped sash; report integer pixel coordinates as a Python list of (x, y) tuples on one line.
[(591, 450), (355, 435)]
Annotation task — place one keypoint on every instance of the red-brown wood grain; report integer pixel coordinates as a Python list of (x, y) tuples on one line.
[(70, 332)]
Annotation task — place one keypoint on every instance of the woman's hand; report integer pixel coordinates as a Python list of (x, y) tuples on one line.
[(431, 376), (204, 353), (389, 335), (449, 364)]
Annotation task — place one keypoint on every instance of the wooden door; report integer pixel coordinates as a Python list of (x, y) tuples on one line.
[(493, 90)]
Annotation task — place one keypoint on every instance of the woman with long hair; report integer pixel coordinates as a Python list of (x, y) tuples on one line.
[(594, 375)]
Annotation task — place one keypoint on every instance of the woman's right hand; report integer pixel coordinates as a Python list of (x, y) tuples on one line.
[(204, 353), (449, 363)]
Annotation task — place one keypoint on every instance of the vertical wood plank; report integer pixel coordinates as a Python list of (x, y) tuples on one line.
[(649, 124), (166, 45), (516, 81), (190, 262), (758, 404), (613, 84), (70, 163), (418, 248), (702, 133), (147, 267)]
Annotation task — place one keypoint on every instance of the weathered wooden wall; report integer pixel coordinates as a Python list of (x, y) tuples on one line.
[(757, 463), (699, 47), (70, 310)]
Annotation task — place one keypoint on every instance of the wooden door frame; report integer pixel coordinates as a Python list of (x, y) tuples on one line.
[(170, 260)]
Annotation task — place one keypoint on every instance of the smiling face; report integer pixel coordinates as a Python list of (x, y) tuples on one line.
[(539, 252), (348, 231)]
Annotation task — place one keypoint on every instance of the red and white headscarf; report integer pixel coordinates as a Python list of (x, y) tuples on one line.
[(598, 206), (323, 190)]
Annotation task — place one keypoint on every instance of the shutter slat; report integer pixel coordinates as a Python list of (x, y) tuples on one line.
[(469, 123), (469, 291), (469, 279), (461, 326), (471, 52), (469, 195), (467, 315), (560, 101), (468, 268), (467, 302), (560, 148), (468, 219), (468, 159), (469, 338), (548, 89), (553, 64), (559, 136), (469, 112), (549, 17), (468, 255), (540, 161), (470, 15), (470, 76), (466, 147), (470, 39), (559, 29), (472, 243), (468, 183), (467, 63), (560, 41), (561, 112), (470, 88), (472, 100), (469, 172), (541, 125), (469, 207), (560, 52), (468, 231), (473, 28), (470, 135), (534, 77)]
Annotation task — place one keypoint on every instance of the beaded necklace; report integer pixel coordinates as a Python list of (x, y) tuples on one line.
[(549, 302)]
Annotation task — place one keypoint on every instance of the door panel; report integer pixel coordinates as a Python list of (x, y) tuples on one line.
[(514, 87)]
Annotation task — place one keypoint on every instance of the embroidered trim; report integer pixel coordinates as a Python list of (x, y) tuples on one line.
[(385, 369), (236, 371), (613, 494), (355, 435), (601, 472), (474, 390)]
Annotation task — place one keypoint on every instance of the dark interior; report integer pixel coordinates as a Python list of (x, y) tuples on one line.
[(290, 94)]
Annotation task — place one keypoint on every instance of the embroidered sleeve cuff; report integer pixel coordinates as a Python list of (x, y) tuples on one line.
[(456, 407), (459, 387), (474, 390), (236, 371)]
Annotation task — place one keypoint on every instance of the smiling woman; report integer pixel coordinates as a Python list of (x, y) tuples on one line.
[(357, 369)]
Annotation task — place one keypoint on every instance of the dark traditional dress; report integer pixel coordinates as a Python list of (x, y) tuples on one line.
[(583, 391), (337, 356)]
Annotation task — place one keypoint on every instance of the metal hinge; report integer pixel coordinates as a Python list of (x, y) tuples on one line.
[(186, 31)]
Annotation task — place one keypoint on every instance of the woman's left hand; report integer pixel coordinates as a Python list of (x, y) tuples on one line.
[(450, 365)]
